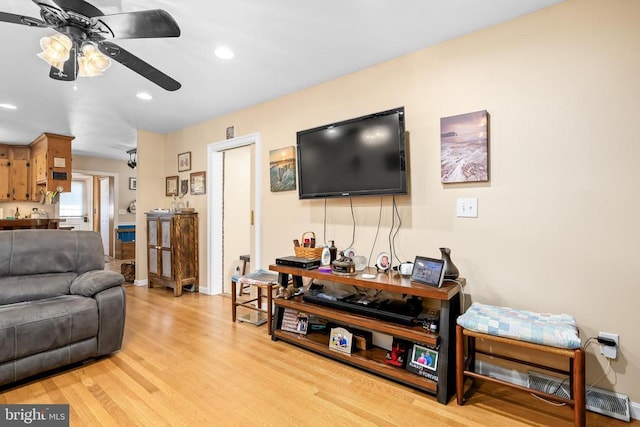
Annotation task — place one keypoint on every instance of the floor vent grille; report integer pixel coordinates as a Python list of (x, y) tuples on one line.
[(604, 402)]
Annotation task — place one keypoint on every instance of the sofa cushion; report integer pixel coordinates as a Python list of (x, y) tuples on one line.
[(14, 289), (33, 327), (26, 252)]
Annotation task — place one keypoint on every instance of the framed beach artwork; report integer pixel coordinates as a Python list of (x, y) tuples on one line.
[(282, 169), (464, 148)]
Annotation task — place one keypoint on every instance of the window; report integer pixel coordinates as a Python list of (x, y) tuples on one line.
[(73, 204)]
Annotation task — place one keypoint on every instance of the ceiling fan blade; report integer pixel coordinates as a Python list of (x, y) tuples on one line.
[(136, 64), (70, 70), (22, 20), (142, 24)]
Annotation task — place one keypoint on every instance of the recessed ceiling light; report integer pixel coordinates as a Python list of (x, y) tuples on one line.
[(8, 106), (144, 95), (223, 52)]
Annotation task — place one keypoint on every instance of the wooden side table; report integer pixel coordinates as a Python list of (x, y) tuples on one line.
[(263, 281)]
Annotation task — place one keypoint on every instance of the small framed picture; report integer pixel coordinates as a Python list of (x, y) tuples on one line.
[(350, 252), (341, 340), (295, 321), (171, 184), (383, 262), (423, 360), (198, 182), (184, 161), (184, 186), (133, 183)]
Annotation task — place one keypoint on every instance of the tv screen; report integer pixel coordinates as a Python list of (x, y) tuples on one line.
[(357, 157)]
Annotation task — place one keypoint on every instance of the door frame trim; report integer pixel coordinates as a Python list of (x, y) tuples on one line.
[(215, 180)]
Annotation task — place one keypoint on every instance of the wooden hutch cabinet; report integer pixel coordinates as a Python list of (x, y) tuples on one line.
[(172, 250)]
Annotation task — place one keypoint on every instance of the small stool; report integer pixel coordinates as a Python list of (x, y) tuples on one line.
[(262, 280), (549, 333)]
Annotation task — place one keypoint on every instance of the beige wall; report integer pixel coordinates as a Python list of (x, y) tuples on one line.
[(556, 229), (151, 191)]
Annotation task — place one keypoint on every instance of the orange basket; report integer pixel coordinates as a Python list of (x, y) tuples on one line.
[(310, 253)]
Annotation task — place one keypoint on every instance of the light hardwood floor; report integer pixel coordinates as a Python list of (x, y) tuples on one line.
[(184, 363)]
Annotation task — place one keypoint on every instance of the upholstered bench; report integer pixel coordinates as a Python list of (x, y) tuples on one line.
[(555, 334)]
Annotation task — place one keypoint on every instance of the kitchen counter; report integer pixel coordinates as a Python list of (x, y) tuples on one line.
[(26, 223)]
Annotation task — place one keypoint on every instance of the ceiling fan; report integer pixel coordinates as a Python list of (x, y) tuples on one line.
[(82, 46)]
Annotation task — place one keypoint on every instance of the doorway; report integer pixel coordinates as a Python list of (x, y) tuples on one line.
[(101, 201), (237, 213), (216, 153)]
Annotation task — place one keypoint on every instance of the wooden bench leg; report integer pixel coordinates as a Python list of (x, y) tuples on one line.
[(459, 365), (579, 392)]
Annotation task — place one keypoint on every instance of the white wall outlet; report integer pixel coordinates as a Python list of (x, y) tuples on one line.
[(467, 207), (608, 351), (122, 211)]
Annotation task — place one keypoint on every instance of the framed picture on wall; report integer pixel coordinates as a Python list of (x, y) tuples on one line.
[(282, 169), (133, 183), (198, 183), (171, 185), (464, 148), (184, 187), (184, 161)]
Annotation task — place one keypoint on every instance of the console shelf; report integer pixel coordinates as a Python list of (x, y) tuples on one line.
[(373, 360)]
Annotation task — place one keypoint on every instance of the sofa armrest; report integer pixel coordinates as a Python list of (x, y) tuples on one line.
[(90, 283)]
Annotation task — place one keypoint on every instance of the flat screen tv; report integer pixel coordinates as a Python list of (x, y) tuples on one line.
[(356, 157)]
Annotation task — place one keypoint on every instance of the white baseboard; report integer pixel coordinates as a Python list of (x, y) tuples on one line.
[(635, 410), (519, 378), (142, 282)]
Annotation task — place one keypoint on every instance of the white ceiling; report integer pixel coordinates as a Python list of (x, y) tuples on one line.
[(280, 46)]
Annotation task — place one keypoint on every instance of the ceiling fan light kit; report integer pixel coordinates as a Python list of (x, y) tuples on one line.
[(81, 46), (55, 50), (92, 63)]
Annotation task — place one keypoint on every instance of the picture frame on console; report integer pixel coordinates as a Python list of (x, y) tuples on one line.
[(383, 261), (423, 360)]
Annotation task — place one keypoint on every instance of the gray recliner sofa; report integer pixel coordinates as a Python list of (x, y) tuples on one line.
[(58, 305)]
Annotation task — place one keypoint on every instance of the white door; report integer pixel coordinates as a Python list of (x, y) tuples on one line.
[(104, 213), (236, 214)]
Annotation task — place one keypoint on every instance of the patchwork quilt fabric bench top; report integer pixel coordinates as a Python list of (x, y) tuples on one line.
[(556, 330)]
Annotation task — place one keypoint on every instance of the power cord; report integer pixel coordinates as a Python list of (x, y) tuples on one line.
[(588, 389), (377, 231)]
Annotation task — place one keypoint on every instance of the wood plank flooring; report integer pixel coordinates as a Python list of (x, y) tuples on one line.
[(185, 364)]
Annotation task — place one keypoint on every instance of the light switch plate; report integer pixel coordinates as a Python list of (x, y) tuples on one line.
[(467, 207)]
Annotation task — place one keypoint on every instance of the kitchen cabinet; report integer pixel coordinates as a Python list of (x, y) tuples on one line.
[(51, 164), (14, 173)]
